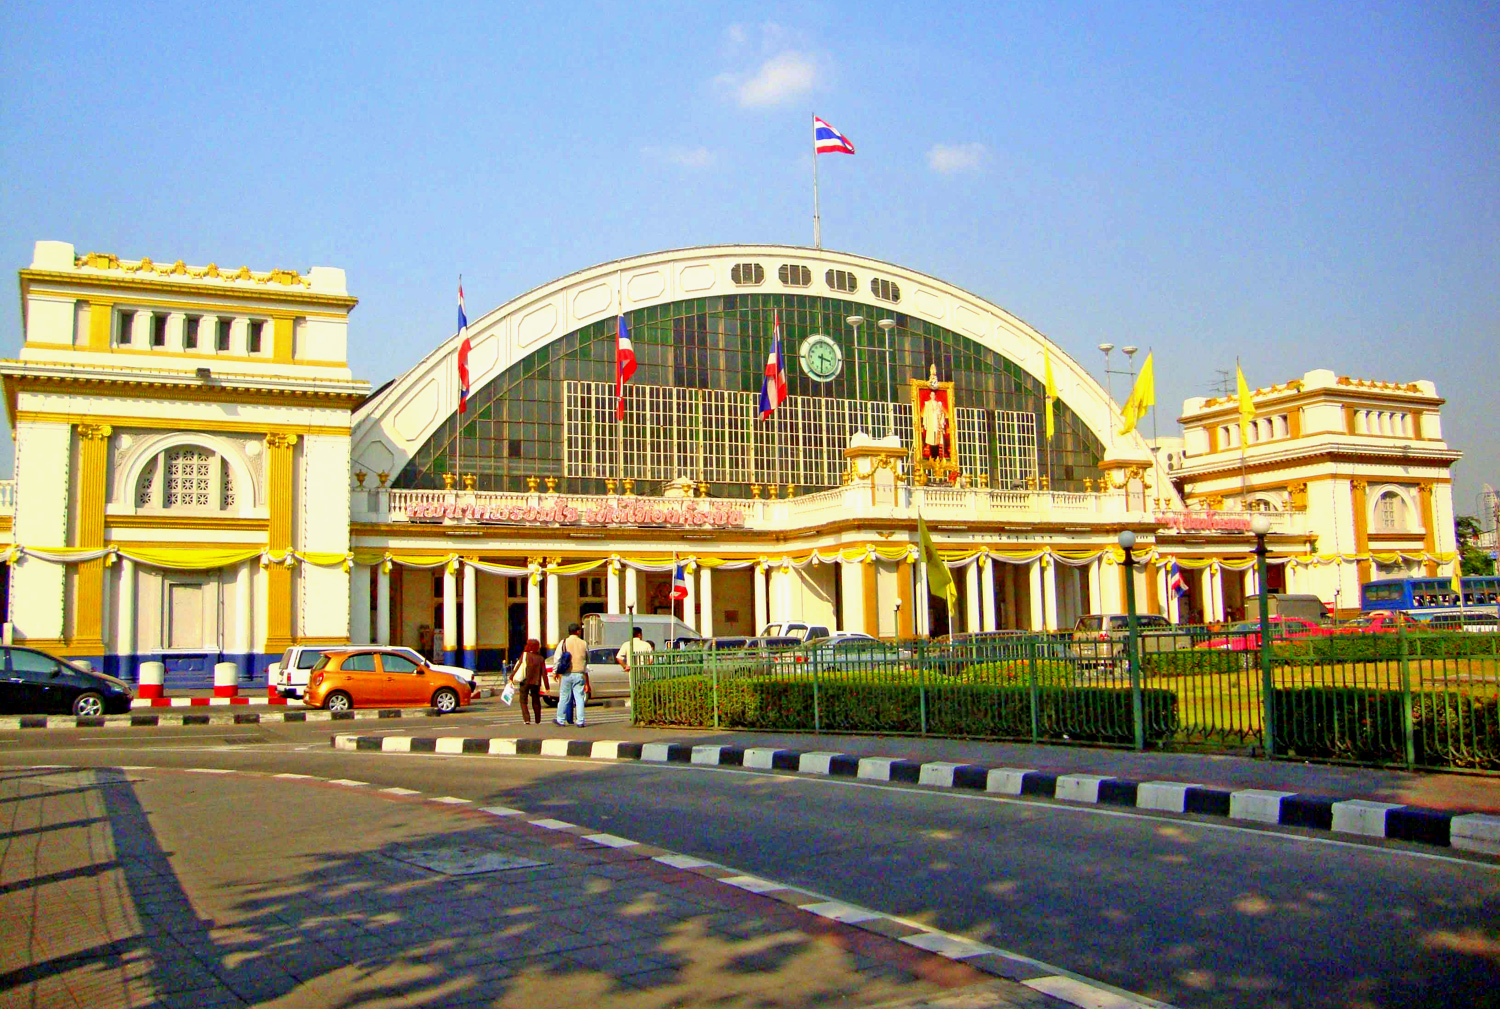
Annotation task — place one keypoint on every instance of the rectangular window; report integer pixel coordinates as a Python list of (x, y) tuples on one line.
[(221, 335), (158, 331), (256, 327), (190, 332), (123, 322)]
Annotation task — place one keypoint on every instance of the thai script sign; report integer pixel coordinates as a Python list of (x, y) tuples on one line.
[(560, 512), (1204, 522)]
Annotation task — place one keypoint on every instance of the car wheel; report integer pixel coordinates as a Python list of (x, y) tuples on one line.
[(445, 700), (89, 705), (338, 701), (551, 702)]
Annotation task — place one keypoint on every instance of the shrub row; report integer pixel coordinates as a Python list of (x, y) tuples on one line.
[(1089, 714), (1449, 729)]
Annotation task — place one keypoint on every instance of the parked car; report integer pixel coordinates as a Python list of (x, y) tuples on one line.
[(849, 654), (1099, 638), (607, 678), (35, 683), (1245, 636), (1380, 622), (288, 677), (365, 677), (796, 629)]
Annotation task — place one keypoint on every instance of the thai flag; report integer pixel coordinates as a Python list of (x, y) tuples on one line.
[(624, 366), (463, 352), (773, 388), (1175, 583), (827, 140), (679, 583)]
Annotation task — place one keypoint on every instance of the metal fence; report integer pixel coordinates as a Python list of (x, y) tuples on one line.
[(1413, 698)]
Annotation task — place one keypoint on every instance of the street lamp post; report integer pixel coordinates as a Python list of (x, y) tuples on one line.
[(1260, 524), (890, 378), (855, 321), (1133, 638)]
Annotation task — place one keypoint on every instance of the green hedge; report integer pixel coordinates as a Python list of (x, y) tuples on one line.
[(1449, 729), (1386, 647), (1086, 714), (1198, 662)]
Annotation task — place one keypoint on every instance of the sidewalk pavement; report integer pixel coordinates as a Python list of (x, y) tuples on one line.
[(141, 886), (1455, 792)]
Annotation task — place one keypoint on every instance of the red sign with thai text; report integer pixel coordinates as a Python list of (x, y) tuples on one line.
[(559, 512)]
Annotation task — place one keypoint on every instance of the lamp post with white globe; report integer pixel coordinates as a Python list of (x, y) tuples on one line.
[(1260, 524), (1133, 639)]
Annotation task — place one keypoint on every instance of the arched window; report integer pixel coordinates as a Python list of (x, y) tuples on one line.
[(186, 478), (1390, 513)]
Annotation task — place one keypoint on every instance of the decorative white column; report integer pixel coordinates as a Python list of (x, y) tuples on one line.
[(852, 592), (612, 583), (632, 602), (1096, 602), (690, 603), (471, 618), (359, 604), (706, 601), (971, 597), (382, 604), (1214, 584), (534, 607), (554, 628), (244, 613), (987, 593), (761, 616), (1034, 573), (923, 602), (125, 618), (450, 616), (1049, 590)]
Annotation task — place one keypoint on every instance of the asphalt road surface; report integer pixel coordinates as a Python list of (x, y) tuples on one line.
[(1197, 914)]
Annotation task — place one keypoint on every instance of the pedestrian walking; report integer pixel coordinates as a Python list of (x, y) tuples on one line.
[(532, 670), (573, 687)]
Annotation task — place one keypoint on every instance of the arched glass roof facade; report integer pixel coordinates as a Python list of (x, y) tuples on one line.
[(526, 422)]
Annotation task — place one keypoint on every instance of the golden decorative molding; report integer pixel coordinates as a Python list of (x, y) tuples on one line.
[(280, 439), (109, 261), (94, 432), (1370, 383)]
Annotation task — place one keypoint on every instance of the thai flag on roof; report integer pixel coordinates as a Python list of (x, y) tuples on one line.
[(463, 351), (827, 140), (1175, 583), (624, 366), (773, 387), (679, 583)]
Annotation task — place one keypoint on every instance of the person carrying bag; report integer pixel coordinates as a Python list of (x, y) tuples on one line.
[(528, 678)]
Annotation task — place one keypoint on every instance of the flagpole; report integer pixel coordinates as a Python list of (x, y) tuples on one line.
[(619, 421), (458, 436), (1244, 476), (817, 222)]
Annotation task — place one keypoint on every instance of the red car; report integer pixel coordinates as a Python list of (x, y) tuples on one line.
[(1379, 622), (1245, 636)]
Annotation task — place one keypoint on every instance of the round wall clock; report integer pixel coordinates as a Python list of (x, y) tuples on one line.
[(821, 358)]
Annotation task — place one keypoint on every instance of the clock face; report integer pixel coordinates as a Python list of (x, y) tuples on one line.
[(821, 358)]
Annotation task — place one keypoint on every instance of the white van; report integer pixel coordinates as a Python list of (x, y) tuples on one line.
[(611, 630)]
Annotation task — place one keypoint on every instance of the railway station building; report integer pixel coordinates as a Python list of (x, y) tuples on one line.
[(201, 477)]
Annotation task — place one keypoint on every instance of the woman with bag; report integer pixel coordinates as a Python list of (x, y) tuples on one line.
[(529, 677)]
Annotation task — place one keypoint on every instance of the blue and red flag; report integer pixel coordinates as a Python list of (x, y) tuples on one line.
[(773, 388), (679, 583), (1175, 583), (827, 140), (463, 351), (624, 366)]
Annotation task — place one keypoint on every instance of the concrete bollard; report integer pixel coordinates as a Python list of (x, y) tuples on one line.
[(153, 674), (226, 679)]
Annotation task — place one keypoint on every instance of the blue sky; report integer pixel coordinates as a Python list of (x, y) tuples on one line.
[(1299, 185)]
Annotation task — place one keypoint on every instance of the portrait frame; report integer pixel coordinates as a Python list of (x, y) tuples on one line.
[(928, 463)]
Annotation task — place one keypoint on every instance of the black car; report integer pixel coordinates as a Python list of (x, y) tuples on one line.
[(35, 683)]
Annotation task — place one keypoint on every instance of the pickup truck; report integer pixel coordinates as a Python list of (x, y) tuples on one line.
[(288, 677)]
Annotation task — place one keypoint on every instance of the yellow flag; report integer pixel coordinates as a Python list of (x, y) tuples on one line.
[(1051, 389), (1247, 408), (1142, 398), (939, 580)]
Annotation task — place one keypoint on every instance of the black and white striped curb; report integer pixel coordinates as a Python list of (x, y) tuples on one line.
[(1360, 817), (222, 716), (1060, 984)]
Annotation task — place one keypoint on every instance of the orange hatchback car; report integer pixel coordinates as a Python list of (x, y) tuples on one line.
[(359, 679)]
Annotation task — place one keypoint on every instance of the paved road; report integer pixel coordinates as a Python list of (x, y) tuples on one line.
[(1196, 914)]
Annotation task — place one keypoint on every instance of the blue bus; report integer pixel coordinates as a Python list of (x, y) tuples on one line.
[(1426, 597)]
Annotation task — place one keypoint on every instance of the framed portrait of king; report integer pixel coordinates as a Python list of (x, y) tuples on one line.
[(935, 429)]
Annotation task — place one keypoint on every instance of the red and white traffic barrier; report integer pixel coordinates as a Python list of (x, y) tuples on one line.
[(153, 675)]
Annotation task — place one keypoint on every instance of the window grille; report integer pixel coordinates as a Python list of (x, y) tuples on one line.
[(189, 478), (747, 274), (718, 436), (226, 486), (885, 290), (842, 280), (145, 488), (793, 275)]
